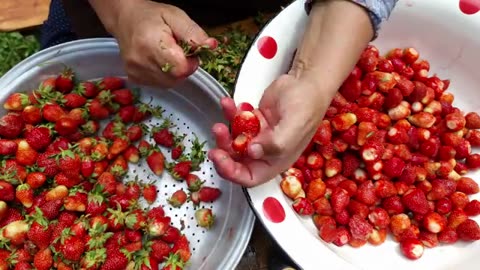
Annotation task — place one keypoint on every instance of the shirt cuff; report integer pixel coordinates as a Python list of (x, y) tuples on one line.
[(378, 10)]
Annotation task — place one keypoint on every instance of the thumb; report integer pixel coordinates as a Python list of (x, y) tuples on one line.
[(186, 29)]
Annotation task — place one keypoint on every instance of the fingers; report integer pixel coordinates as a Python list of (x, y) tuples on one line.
[(222, 137), (229, 108), (185, 28), (229, 169)]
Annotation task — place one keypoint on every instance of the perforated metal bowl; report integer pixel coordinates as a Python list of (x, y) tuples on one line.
[(193, 107)]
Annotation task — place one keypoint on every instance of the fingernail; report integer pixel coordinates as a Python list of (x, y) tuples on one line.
[(255, 151)]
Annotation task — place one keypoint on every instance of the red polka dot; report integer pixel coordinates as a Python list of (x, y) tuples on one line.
[(273, 210), (469, 7), (267, 46)]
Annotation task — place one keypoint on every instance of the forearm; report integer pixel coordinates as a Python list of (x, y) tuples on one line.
[(109, 11), (335, 36)]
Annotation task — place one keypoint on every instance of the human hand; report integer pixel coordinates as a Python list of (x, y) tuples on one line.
[(147, 33), (289, 112)]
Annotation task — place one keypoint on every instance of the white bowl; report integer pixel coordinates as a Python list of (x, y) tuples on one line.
[(444, 32)]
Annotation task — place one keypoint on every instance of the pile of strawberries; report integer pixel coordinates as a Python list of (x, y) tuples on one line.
[(391, 155), (64, 199)]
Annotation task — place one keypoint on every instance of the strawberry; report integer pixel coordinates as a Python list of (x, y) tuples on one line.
[(87, 89), (204, 217), (173, 262), (25, 154), (97, 110), (87, 166), (76, 202), (171, 235), (24, 195), (132, 154), (96, 204), (472, 208), (108, 182), (240, 144), (43, 259), (74, 100), (193, 182), (10, 216), (113, 129), (7, 147), (135, 220), (162, 135), (155, 161), (16, 232), (52, 112), (111, 83), (160, 250), (7, 191), (51, 209), (468, 230), (177, 152), (118, 146), (48, 164), (125, 113), (182, 248), (64, 81), (149, 193), (32, 115), (69, 163), (123, 97), (245, 122), (135, 132), (303, 207), (99, 151), (133, 190), (359, 228), (72, 248), (66, 126), (16, 102), (412, 248), (11, 125), (116, 259), (40, 232), (56, 193), (143, 111), (339, 200), (467, 185), (416, 201), (157, 226), (180, 170), (118, 167), (155, 212), (205, 194), (178, 198), (90, 128), (3, 209), (39, 137)]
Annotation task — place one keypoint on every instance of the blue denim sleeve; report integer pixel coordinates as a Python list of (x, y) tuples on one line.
[(379, 10)]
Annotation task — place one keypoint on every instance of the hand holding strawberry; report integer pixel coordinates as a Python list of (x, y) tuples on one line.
[(289, 114), (147, 34)]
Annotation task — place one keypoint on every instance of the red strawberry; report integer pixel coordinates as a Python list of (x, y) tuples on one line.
[(245, 122), (7, 147), (111, 83), (97, 110), (16, 102), (123, 97), (64, 81), (51, 209), (131, 154), (205, 218), (156, 161), (74, 100), (90, 128), (76, 202), (15, 232), (468, 230), (467, 185), (205, 194), (303, 207), (66, 126), (96, 204), (178, 198), (472, 208), (155, 212), (160, 250), (52, 112), (174, 262), (48, 164), (182, 248), (39, 137), (157, 226), (240, 144), (24, 195), (40, 232), (32, 115), (171, 235), (87, 89), (135, 132), (118, 146), (149, 192), (43, 259), (359, 228), (193, 182), (177, 151), (125, 113), (11, 215), (108, 182), (87, 166), (162, 136), (11, 125), (416, 201), (180, 170), (25, 154), (135, 220), (7, 191)]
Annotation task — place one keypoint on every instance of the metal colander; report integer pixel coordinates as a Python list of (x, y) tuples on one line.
[(193, 107)]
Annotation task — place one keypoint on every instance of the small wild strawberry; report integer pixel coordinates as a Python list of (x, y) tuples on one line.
[(178, 198), (205, 218)]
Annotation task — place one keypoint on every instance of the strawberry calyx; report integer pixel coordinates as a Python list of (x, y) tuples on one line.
[(174, 261)]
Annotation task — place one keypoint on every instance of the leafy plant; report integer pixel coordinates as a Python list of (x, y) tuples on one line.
[(14, 47)]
